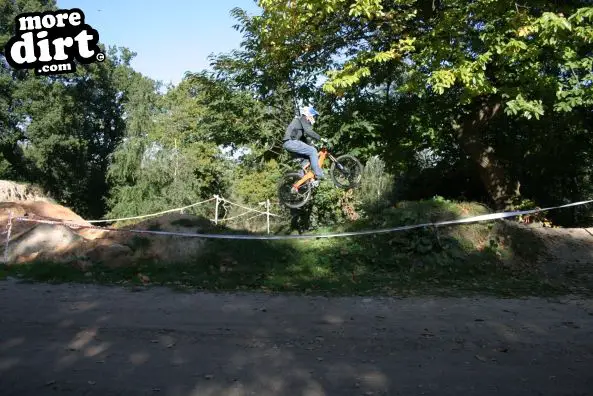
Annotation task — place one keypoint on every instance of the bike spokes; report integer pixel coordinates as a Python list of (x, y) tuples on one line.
[(291, 198), (346, 171)]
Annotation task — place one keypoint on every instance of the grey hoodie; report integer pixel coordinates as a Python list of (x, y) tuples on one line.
[(299, 127)]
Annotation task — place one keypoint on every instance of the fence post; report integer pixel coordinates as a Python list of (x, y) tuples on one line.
[(216, 209), (8, 231), (268, 213)]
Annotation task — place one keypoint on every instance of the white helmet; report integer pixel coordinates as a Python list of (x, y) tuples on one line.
[(310, 112)]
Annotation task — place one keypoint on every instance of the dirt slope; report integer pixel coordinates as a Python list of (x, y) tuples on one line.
[(567, 252), (563, 253), (33, 241), (13, 192)]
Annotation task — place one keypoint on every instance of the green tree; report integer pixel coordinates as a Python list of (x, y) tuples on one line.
[(58, 131), (485, 58), (14, 164), (166, 159), (68, 127)]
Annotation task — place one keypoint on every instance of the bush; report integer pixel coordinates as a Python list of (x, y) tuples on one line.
[(375, 191), (252, 186)]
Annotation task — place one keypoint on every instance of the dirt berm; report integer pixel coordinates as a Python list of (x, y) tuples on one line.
[(564, 250), (30, 241)]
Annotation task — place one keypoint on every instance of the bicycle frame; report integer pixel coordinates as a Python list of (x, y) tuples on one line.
[(322, 155)]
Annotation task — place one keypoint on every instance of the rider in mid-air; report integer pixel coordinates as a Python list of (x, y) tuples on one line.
[(297, 130)]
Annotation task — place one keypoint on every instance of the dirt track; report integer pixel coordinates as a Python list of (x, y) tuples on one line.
[(107, 341)]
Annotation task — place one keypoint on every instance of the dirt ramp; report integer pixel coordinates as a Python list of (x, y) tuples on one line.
[(37, 241), (14, 192), (84, 247), (44, 241), (568, 253), (42, 210)]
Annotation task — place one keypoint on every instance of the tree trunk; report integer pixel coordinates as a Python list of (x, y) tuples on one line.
[(494, 176)]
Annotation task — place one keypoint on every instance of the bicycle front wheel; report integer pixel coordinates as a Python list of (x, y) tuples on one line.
[(346, 171)]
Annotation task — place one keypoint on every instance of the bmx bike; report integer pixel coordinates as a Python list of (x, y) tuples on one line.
[(295, 189)]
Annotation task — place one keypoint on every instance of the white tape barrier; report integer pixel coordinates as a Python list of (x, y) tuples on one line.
[(246, 208), (221, 199), (493, 216), (152, 214)]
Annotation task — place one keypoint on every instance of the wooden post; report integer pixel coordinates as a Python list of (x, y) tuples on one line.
[(268, 213), (216, 210), (8, 231), (176, 161)]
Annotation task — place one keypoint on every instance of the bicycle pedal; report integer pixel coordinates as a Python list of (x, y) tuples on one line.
[(315, 183)]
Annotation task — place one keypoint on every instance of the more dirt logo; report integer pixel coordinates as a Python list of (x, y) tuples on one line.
[(50, 41)]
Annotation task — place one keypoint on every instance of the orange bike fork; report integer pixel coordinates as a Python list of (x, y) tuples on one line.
[(310, 175)]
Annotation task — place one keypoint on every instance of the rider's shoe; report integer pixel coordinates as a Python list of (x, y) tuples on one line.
[(317, 180)]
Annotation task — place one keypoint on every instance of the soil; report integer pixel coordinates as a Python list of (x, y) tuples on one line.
[(92, 340), (95, 242), (567, 253)]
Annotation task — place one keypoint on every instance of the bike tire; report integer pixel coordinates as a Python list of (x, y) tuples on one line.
[(354, 163), (284, 193)]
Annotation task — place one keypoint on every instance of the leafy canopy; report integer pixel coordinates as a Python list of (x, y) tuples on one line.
[(481, 47)]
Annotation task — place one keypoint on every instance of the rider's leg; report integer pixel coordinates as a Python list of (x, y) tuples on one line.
[(299, 147)]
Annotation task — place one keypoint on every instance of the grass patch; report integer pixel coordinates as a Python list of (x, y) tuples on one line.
[(316, 267), (469, 259)]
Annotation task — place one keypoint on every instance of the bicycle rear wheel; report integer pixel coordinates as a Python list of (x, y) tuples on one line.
[(290, 199)]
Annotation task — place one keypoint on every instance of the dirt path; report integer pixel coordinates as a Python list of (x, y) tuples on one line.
[(107, 341)]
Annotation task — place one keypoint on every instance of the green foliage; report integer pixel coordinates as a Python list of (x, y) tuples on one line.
[(160, 178), (59, 131), (402, 79), (418, 71), (489, 38), (528, 107), (377, 185), (253, 185), (327, 208), (528, 204), (170, 157), (63, 130)]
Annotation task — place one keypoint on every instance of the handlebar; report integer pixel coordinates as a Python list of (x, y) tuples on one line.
[(320, 144)]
